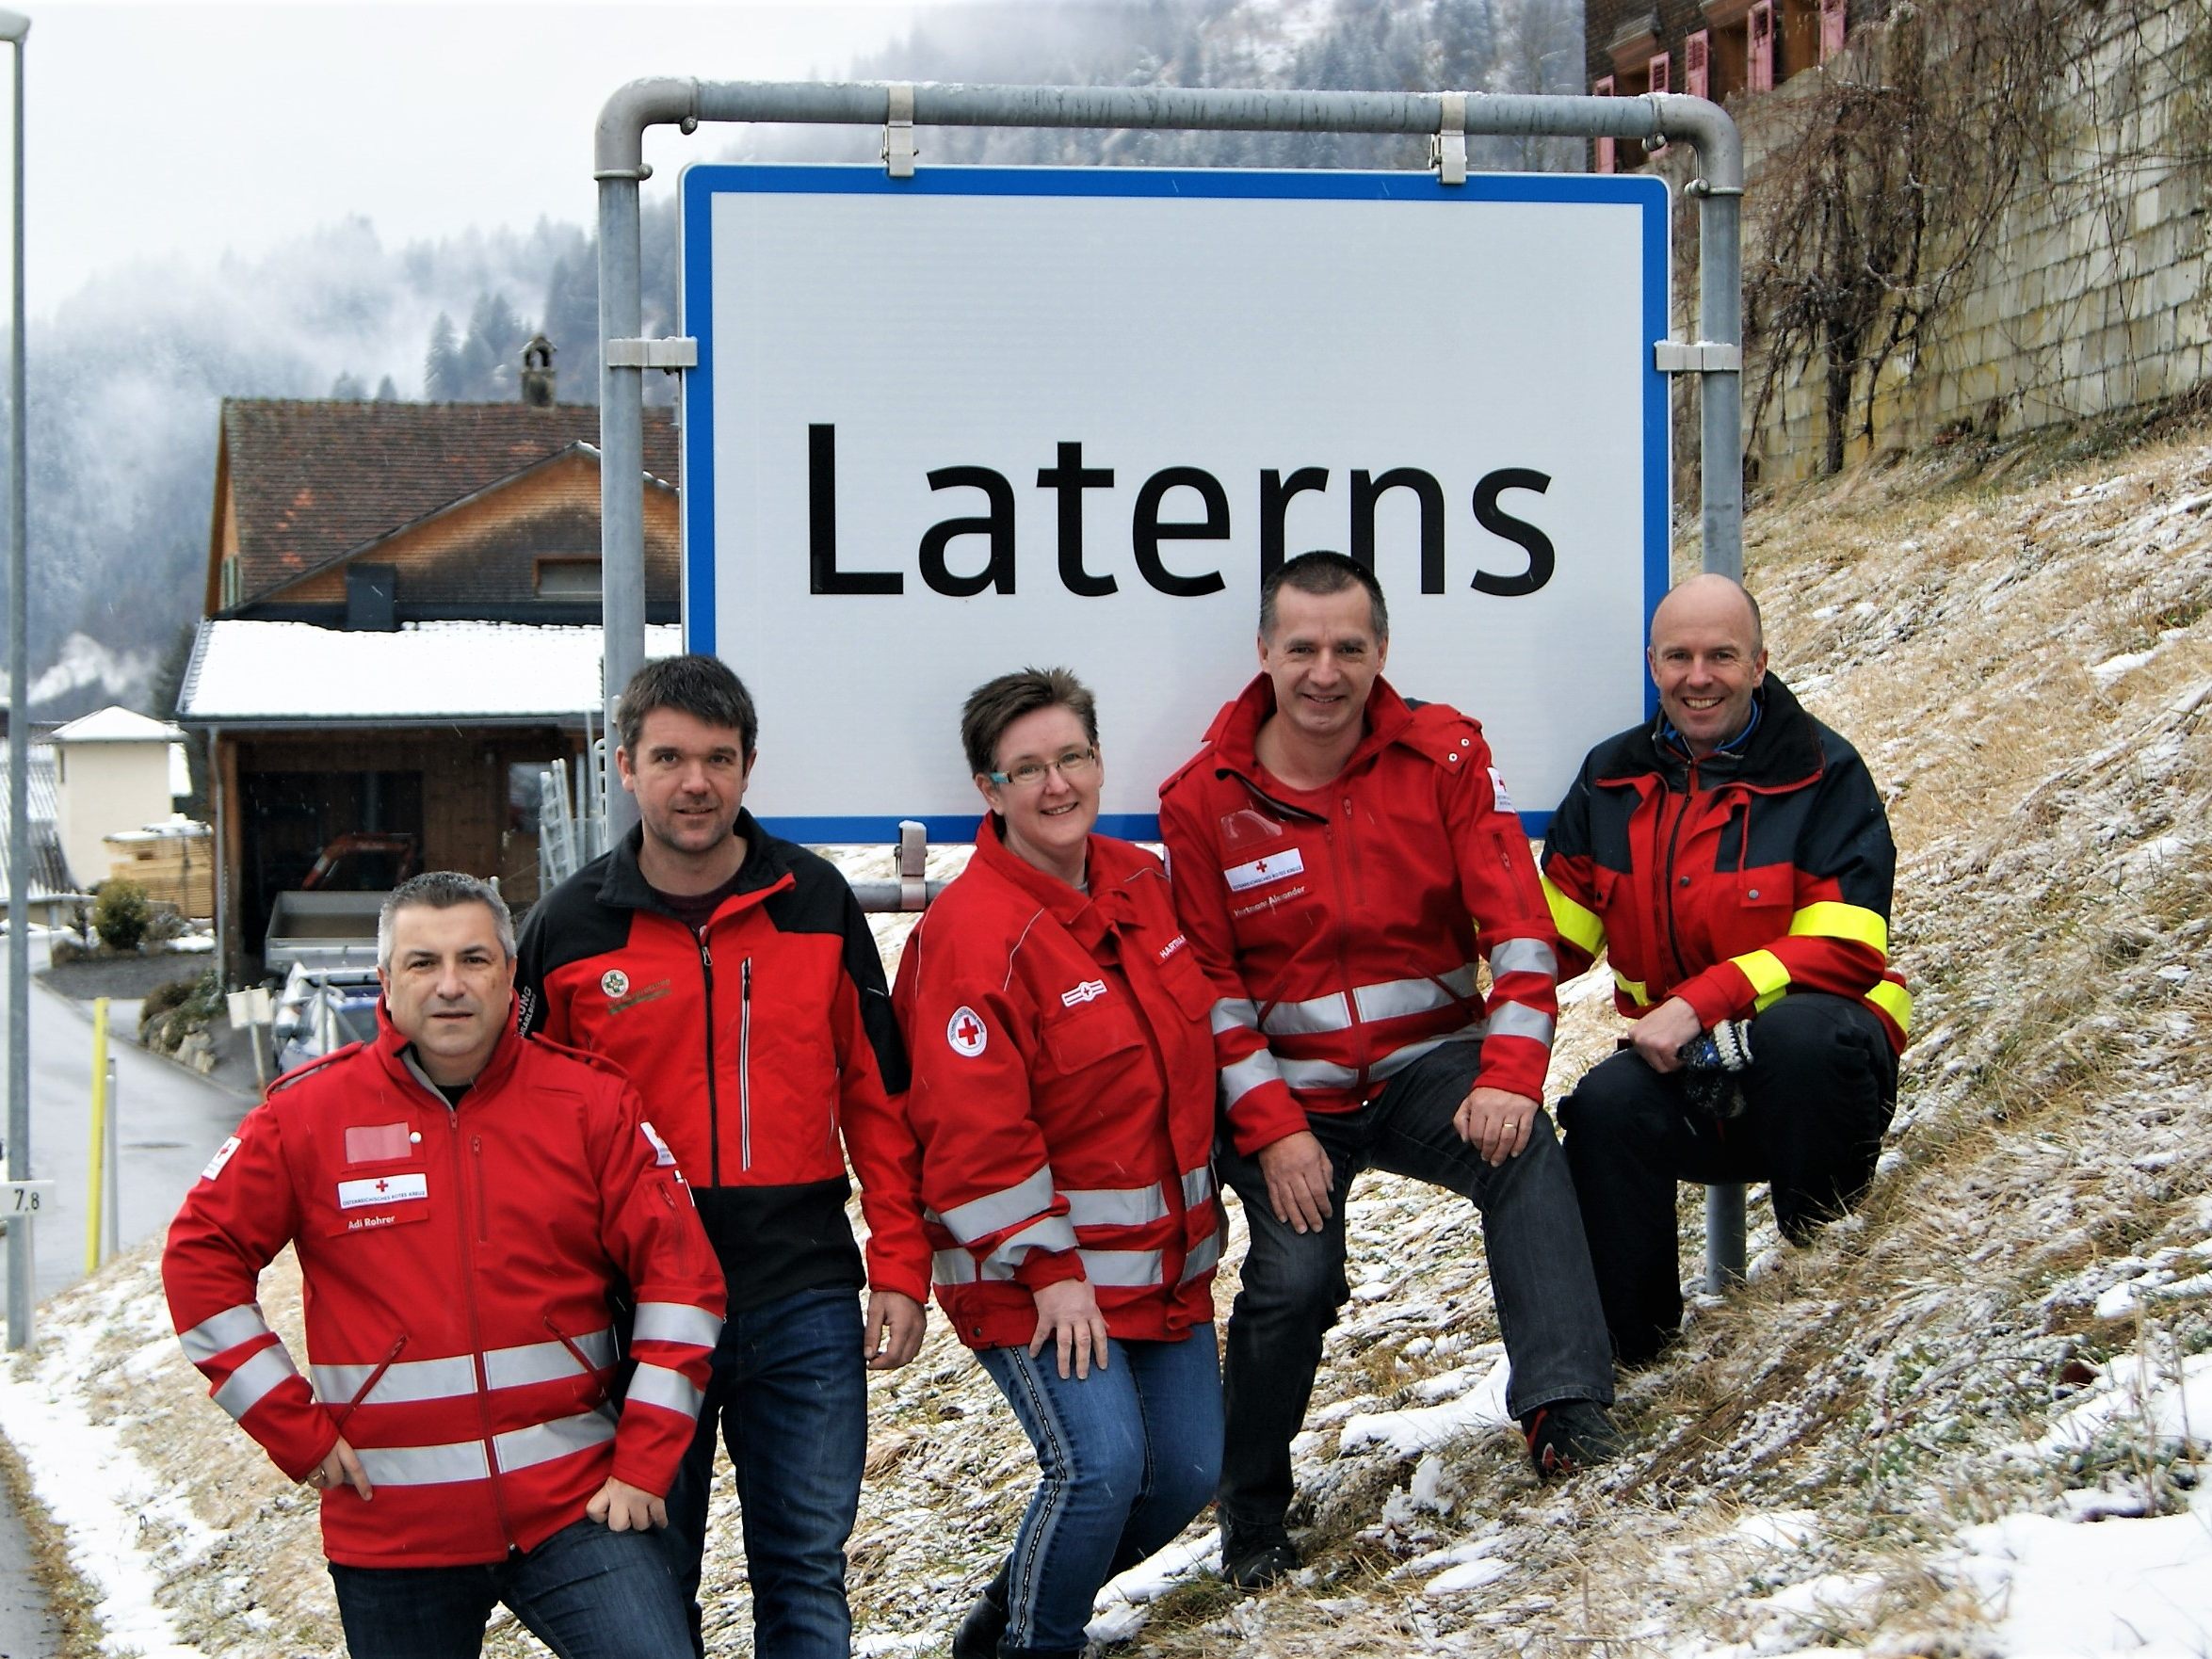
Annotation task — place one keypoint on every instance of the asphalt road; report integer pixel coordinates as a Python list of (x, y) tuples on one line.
[(169, 1123)]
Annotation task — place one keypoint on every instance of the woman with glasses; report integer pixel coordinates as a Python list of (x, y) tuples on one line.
[(1063, 1100)]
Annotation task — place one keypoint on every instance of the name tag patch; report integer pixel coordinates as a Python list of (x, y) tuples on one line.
[(1497, 789), (377, 1143), (1258, 872), (222, 1156), (382, 1189), (662, 1157)]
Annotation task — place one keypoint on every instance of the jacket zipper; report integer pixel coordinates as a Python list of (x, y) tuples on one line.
[(483, 1208), (745, 1063), (714, 1105), (342, 1413), (1673, 843), (476, 1332), (1338, 856)]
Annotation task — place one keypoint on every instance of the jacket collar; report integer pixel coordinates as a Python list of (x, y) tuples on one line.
[(1106, 867), (397, 1054), (1236, 730), (767, 866), (1782, 751)]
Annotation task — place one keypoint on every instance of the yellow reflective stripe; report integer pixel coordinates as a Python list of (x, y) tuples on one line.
[(1764, 969), (1578, 926), (1632, 989), (1838, 921), (1894, 1000)]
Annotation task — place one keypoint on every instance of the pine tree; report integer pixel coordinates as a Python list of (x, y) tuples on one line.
[(441, 363)]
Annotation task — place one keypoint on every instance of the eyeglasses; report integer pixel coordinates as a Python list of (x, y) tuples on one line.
[(1070, 764)]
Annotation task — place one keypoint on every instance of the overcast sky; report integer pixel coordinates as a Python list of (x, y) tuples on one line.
[(167, 128)]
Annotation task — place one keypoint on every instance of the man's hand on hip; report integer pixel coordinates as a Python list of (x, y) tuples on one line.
[(619, 1506), (893, 1335), (1494, 1122), (1660, 1034), (1298, 1178)]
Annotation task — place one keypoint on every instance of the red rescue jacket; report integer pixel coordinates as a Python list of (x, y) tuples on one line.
[(1731, 880), (1343, 926), (457, 1262), (1063, 1095), (756, 1048)]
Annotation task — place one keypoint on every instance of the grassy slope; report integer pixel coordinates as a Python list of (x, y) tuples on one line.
[(2052, 891)]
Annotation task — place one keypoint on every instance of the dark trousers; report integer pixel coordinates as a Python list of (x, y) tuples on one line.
[(1817, 1096), (585, 1593), (1293, 1282)]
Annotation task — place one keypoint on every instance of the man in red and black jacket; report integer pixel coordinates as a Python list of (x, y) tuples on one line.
[(1732, 862), (732, 977), (1346, 865), (462, 1201)]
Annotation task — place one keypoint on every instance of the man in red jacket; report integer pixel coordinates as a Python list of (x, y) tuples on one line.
[(462, 1201), (1344, 861), (1731, 860), (731, 974)]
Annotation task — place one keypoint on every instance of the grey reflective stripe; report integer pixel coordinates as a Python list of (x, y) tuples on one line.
[(423, 1465), (1124, 1269), (1116, 1206), (675, 1322), (1390, 1065), (656, 1385), (226, 1329), (542, 1443), (1204, 1258), (1394, 999), (1317, 1074), (1198, 1185), (1047, 1233), (1320, 1013), (994, 1211), (518, 1367), (248, 1385), (959, 1267), (1524, 955), (1235, 1014), (1248, 1074), (412, 1379), (1518, 1019)]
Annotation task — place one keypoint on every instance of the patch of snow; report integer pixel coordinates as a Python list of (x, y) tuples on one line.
[(2140, 1588), (2104, 673), (1418, 1429)]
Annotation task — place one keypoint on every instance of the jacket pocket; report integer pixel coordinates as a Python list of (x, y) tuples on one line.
[(1084, 1037)]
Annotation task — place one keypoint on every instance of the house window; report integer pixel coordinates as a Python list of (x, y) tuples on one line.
[(1834, 20), (1761, 75), (567, 578), (1604, 163), (1696, 71)]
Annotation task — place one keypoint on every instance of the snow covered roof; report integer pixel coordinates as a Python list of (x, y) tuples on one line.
[(117, 724), (424, 673)]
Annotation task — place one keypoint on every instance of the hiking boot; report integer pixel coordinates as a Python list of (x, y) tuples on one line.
[(979, 1633), (1569, 1435), (1254, 1560)]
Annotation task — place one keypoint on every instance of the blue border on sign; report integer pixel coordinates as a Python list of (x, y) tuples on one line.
[(701, 183)]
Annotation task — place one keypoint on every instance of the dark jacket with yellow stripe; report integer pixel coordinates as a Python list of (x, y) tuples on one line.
[(1731, 880)]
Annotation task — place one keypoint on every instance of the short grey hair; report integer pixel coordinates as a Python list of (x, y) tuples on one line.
[(442, 890)]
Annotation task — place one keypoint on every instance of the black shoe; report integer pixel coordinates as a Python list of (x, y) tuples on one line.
[(979, 1633), (1254, 1560), (1568, 1436)]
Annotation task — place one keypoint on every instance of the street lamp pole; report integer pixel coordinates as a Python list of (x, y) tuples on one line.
[(15, 28)]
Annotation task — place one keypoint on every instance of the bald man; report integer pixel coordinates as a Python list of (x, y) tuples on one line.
[(1731, 860)]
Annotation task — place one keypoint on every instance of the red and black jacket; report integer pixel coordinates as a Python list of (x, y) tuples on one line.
[(756, 1047), (1731, 880)]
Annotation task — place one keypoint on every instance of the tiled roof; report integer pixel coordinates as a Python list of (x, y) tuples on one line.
[(312, 481), (258, 673)]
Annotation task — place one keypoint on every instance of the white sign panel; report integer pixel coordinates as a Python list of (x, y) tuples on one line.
[(981, 419)]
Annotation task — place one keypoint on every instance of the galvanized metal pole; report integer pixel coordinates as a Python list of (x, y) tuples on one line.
[(21, 1280)]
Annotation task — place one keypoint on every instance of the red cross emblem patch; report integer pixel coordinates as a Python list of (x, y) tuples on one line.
[(964, 1031)]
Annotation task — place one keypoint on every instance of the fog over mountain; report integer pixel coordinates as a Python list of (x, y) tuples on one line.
[(125, 376)]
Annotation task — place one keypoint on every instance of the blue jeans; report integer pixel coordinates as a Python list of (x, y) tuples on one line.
[(1129, 1455), (1548, 1311), (789, 1393), (585, 1593)]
